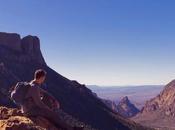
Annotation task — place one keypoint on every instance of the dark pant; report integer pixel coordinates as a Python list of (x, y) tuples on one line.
[(51, 116)]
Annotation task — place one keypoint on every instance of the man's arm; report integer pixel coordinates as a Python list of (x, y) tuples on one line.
[(48, 94), (37, 98), (44, 92)]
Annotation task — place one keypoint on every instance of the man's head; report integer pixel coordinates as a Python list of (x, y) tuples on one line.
[(40, 76)]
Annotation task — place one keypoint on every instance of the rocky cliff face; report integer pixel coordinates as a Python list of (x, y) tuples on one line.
[(165, 101), (31, 46), (26, 49), (160, 111), (20, 57)]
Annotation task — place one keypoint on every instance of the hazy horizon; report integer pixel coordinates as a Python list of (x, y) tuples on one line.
[(111, 86), (108, 43)]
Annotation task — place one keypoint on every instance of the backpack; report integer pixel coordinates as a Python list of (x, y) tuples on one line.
[(18, 95)]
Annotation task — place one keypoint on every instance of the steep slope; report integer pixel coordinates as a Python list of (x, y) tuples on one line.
[(21, 57), (111, 104), (159, 112)]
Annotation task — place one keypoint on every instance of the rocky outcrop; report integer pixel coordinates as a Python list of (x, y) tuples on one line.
[(12, 119), (30, 44), (126, 108), (26, 49), (159, 111)]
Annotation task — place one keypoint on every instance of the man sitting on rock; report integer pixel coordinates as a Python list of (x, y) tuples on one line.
[(34, 106)]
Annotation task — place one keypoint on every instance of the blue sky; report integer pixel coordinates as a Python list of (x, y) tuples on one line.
[(102, 42)]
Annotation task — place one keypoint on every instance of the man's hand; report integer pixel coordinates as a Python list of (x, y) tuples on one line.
[(56, 105)]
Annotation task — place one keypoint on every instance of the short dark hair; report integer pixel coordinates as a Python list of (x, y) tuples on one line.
[(40, 73)]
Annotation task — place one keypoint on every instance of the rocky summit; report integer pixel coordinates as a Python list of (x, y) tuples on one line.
[(126, 108)]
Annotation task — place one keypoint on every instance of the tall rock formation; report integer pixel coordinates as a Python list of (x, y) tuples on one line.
[(126, 108)]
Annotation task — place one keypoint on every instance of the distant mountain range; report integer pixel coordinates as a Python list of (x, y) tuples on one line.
[(138, 95)]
